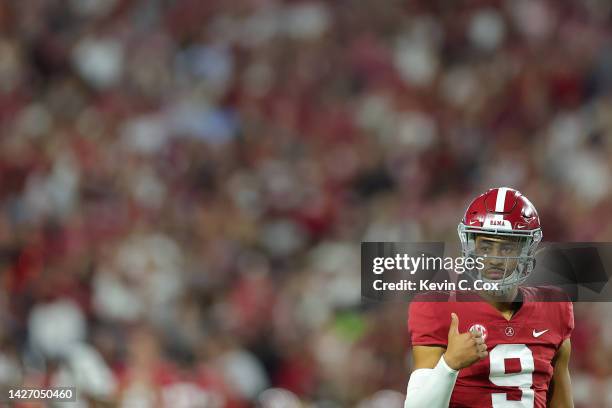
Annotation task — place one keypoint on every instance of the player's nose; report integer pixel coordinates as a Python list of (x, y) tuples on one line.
[(496, 258), (496, 261)]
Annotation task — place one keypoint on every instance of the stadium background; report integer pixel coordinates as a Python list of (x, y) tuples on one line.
[(184, 184)]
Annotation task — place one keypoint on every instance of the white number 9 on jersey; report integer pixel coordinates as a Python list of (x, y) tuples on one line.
[(523, 379)]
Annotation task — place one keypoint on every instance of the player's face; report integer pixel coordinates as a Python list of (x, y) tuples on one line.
[(500, 255)]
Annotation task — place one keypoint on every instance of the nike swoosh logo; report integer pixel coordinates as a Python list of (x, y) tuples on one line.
[(538, 334)]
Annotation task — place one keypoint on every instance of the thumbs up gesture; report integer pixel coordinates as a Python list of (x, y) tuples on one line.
[(464, 349)]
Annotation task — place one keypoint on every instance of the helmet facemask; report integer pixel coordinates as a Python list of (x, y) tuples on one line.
[(508, 256)]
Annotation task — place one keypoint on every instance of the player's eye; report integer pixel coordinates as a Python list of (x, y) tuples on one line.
[(508, 249)]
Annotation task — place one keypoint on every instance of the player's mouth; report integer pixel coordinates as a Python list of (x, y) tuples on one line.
[(494, 273)]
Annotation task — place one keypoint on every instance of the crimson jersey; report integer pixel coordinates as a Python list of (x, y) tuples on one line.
[(518, 369)]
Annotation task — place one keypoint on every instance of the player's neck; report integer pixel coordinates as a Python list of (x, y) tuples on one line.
[(506, 305)]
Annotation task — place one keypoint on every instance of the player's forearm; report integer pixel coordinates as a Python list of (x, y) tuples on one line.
[(560, 388), (431, 387), (561, 397)]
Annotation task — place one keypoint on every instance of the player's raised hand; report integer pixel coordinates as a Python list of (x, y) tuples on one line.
[(464, 349)]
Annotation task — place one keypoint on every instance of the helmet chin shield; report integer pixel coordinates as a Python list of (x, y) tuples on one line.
[(506, 270)]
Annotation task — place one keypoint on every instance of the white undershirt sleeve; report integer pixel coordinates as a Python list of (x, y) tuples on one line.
[(431, 387)]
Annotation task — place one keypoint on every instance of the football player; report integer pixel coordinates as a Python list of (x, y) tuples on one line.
[(511, 348)]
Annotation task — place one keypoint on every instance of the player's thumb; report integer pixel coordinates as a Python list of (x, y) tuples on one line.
[(454, 326)]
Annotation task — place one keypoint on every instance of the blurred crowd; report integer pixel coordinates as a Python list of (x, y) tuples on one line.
[(184, 184)]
